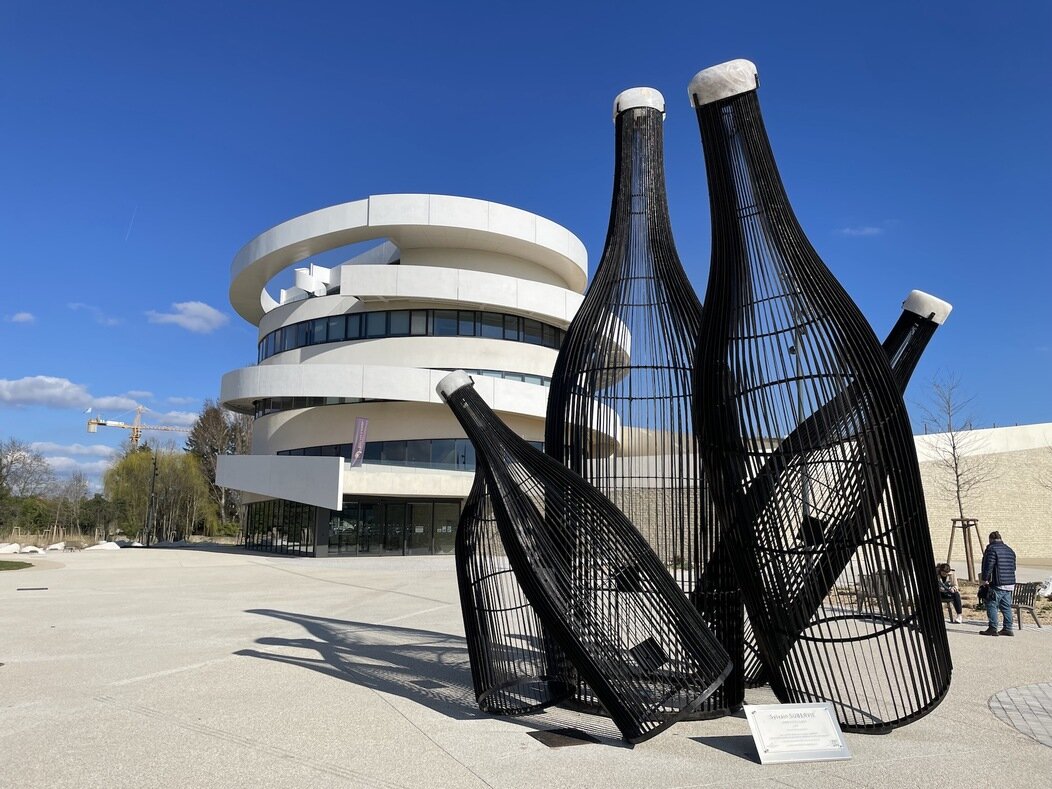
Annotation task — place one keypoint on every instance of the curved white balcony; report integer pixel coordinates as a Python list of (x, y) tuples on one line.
[(410, 221)]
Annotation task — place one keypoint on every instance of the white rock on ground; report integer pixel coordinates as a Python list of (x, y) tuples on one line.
[(10, 547), (58, 546), (104, 546), (31, 549)]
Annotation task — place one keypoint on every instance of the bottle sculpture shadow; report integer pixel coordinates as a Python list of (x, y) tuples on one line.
[(632, 636), (620, 404), (807, 446)]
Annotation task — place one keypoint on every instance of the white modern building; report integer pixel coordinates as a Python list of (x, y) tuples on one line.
[(451, 283)]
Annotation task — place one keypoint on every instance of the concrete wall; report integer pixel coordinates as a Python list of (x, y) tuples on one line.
[(1013, 501)]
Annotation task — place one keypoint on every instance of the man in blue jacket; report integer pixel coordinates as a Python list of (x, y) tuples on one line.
[(998, 577)]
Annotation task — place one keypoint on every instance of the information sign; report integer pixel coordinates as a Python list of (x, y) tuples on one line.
[(796, 733)]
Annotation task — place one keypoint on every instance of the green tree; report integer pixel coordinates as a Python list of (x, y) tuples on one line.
[(97, 514), (127, 485), (181, 502)]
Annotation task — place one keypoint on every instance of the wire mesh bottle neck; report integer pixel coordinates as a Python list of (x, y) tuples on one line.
[(640, 206), (743, 177)]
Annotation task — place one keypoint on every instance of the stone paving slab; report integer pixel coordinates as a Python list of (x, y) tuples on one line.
[(1027, 709)]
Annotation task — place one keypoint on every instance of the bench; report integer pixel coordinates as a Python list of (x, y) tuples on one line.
[(885, 588), (1023, 599)]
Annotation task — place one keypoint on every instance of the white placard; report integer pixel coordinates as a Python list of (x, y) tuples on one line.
[(796, 733)]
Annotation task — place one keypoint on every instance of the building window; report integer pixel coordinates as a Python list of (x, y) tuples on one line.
[(453, 454), (278, 526), (445, 323), (376, 324), (403, 323), (337, 330), (393, 527)]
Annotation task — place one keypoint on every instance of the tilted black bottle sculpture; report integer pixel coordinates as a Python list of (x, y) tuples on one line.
[(921, 315), (620, 404), (634, 638), (808, 447), (515, 668)]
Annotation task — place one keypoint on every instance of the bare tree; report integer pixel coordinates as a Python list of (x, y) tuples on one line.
[(218, 432), (23, 471), (963, 468), (1043, 472)]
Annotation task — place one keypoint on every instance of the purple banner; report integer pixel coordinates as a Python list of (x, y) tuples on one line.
[(361, 431)]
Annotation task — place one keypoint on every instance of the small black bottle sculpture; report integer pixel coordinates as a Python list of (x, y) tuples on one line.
[(921, 315), (515, 667), (807, 446), (632, 636), (620, 404)]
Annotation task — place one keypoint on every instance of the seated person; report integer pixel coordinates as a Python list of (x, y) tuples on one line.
[(947, 589)]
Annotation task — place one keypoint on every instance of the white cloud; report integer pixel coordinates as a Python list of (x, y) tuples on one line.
[(183, 400), (195, 316), (176, 418), (862, 230), (100, 317), (139, 394), (66, 466), (22, 317), (96, 450), (51, 392)]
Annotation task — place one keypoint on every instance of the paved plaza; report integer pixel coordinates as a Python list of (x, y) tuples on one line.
[(218, 668)]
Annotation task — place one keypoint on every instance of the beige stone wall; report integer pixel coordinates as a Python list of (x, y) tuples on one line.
[(1013, 502)]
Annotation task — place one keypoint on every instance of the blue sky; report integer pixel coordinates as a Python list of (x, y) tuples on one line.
[(145, 143)]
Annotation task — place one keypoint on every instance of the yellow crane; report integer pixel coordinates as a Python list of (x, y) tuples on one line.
[(136, 427)]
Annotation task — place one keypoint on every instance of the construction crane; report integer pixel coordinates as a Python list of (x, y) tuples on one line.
[(136, 427)]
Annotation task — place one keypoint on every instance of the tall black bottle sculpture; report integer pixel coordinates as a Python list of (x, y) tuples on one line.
[(921, 315), (620, 404), (808, 447), (515, 668), (633, 636)]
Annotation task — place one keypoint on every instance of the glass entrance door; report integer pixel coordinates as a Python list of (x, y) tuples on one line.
[(343, 530), (446, 517), (419, 528), (394, 529), (369, 536)]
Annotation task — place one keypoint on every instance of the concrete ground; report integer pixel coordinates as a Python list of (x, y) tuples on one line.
[(198, 668)]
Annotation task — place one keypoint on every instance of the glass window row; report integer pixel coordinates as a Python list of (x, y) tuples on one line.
[(273, 405), (393, 527), (456, 454), (410, 323), (279, 526), (526, 378), (378, 527)]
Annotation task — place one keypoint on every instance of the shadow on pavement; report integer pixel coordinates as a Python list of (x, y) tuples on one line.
[(423, 666), (735, 744)]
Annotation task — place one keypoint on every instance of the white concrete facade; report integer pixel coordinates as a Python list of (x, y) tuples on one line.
[(435, 254)]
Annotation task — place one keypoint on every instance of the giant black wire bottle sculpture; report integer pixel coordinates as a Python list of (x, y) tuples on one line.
[(634, 638), (921, 315), (808, 447), (515, 667), (619, 407)]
